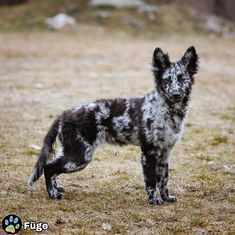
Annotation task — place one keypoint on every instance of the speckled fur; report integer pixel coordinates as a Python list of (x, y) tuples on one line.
[(154, 122)]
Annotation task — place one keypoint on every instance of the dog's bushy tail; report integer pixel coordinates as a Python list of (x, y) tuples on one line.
[(46, 153)]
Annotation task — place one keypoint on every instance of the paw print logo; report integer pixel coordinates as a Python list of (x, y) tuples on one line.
[(12, 224)]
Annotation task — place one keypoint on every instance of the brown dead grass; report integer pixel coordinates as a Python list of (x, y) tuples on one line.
[(45, 73)]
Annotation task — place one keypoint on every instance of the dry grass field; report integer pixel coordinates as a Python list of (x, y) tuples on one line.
[(43, 73)]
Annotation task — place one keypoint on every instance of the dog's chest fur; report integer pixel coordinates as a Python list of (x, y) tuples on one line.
[(162, 125)]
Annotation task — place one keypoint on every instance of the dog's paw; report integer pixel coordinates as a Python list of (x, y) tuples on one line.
[(60, 189), (170, 198), (55, 194), (156, 201), (12, 224)]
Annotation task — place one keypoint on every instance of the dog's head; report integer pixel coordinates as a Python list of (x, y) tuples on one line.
[(174, 80)]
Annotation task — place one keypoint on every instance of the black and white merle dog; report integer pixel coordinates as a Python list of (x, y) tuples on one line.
[(154, 122)]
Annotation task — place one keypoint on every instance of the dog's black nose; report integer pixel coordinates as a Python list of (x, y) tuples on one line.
[(176, 96)]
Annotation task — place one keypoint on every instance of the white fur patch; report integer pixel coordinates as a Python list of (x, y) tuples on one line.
[(88, 154), (103, 113), (70, 166), (59, 152), (91, 106)]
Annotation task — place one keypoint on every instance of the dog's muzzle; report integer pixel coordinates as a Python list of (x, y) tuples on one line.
[(176, 98)]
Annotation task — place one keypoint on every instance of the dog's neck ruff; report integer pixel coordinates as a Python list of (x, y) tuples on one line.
[(176, 109)]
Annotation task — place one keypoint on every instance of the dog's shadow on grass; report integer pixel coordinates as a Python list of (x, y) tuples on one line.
[(103, 197)]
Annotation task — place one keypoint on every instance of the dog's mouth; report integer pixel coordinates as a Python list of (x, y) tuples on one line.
[(176, 99)]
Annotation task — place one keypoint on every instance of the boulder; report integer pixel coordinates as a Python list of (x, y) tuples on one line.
[(59, 21)]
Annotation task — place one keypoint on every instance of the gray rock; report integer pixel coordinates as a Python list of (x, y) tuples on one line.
[(59, 21), (148, 9), (218, 25), (101, 15), (117, 3)]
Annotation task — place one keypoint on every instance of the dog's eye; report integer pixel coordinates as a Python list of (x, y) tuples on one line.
[(180, 78), (168, 79)]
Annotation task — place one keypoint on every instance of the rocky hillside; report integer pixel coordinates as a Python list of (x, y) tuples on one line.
[(134, 16)]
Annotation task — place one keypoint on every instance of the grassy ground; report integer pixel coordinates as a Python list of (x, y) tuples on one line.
[(45, 73)]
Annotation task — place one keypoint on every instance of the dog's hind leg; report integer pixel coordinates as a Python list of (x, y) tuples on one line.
[(74, 159)]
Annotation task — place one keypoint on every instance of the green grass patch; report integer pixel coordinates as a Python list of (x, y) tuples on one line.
[(205, 157), (217, 140), (199, 221), (31, 152)]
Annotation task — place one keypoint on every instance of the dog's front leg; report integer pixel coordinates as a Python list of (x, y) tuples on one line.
[(162, 180), (150, 177)]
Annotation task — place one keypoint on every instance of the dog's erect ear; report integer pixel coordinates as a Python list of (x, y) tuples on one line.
[(160, 60), (190, 60)]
